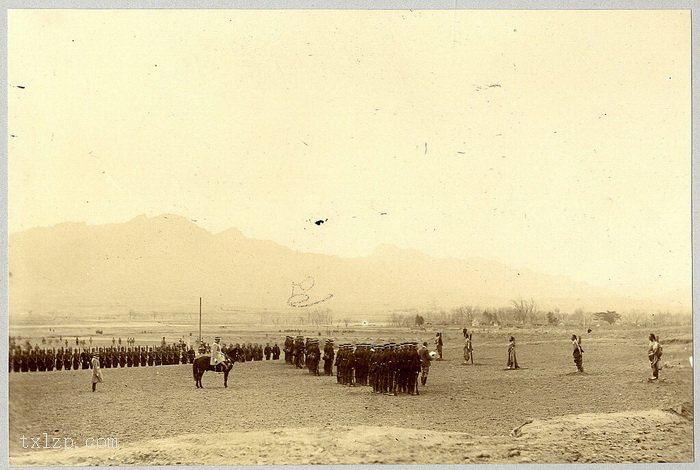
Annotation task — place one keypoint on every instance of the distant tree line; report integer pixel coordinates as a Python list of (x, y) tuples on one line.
[(523, 311)]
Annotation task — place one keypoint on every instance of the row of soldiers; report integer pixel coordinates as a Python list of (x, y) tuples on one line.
[(255, 351), (43, 359), (389, 368), (38, 359), (306, 352)]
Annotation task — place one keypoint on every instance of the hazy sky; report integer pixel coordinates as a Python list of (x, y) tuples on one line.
[(558, 141)]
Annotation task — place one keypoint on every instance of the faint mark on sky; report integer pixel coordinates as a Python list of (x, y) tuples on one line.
[(300, 296)]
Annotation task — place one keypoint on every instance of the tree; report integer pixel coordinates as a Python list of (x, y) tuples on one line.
[(608, 316), (552, 319), (419, 320), (489, 317), (523, 310)]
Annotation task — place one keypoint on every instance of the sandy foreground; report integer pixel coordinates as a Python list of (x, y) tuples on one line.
[(641, 436)]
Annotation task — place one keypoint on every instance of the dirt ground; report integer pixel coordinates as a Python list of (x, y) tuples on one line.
[(274, 414)]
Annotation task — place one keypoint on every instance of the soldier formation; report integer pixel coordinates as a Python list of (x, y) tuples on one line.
[(42, 359), (38, 359), (390, 368)]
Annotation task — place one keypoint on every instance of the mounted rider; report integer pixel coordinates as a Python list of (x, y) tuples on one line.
[(217, 355)]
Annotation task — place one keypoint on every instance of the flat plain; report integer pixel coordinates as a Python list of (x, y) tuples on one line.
[(272, 413)]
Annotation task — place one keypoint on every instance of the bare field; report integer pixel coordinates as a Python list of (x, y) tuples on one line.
[(273, 414)]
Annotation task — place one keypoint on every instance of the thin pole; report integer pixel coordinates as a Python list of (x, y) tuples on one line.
[(200, 320)]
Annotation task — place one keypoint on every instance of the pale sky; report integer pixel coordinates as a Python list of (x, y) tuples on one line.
[(556, 141)]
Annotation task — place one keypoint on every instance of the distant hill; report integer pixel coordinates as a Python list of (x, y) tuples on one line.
[(170, 260)]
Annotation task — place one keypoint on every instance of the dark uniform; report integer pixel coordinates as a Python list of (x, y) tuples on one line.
[(328, 356)]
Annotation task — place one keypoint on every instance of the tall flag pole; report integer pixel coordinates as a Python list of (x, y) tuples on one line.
[(200, 320)]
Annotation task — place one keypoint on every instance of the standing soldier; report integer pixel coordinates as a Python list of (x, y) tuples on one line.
[(424, 363), (578, 352), (414, 368), (85, 359), (122, 357), (17, 360), (339, 364), (468, 350), (268, 351), (76, 359), (512, 358), (654, 353), (275, 352), (328, 355), (96, 371), (58, 359), (288, 348), (438, 344), (25, 361), (67, 359), (129, 357)]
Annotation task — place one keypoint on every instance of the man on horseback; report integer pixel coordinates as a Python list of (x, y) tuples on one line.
[(217, 355)]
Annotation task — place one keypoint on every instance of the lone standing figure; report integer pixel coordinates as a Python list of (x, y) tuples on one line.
[(512, 359), (578, 352), (654, 355), (96, 371)]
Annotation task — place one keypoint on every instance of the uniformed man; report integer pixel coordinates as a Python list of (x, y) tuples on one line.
[(425, 363), (217, 355), (75, 356), (328, 356), (268, 351)]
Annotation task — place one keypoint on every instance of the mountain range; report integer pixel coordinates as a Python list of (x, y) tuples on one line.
[(169, 260)]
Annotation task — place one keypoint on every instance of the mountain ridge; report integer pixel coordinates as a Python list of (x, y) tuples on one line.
[(170, 259)]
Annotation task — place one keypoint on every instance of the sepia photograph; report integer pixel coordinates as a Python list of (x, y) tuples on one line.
[(265, 237)]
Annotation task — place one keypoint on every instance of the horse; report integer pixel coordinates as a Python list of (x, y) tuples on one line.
[(203, 363)]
